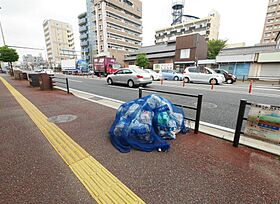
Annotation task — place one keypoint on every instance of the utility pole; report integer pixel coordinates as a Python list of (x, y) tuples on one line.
[(2, 31)]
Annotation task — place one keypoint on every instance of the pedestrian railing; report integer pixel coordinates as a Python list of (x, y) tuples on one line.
[(60, 80), (197, 108), (240, 119)]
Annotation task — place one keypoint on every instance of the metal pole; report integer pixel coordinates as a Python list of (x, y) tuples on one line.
[(140, 92), (240, 117), (198, 112), (2, 31), (67, 85)]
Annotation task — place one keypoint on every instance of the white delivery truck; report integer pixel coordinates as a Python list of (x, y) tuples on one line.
[(72, 66)]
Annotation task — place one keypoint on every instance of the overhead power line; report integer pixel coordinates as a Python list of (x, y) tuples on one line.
[(28, 48)]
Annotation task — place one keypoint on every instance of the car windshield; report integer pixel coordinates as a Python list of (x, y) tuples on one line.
[(140, 71), (210, 71)]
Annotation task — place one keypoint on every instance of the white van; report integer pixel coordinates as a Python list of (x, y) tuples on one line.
[(202, 74)]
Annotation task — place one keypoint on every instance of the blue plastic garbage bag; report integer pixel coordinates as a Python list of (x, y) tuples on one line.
[(145, 123)]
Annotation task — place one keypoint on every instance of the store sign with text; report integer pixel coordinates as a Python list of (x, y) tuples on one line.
[(165, 66), (264, 123)]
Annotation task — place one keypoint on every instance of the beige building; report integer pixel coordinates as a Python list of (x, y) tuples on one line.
[(272, 22), (111, 28), (208, 27), (59, 40)]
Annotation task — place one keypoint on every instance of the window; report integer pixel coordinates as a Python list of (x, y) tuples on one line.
[(128, 2), (119, 72), (161, 61), (185, 53), (126, 71), (193, 70)]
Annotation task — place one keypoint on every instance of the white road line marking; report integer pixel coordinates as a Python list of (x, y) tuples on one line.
[(121, 87), (75, 80)]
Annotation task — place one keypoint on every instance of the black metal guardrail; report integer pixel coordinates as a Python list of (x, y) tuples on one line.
[(54, 81), (197, 108), (240, 119), (248, 77)]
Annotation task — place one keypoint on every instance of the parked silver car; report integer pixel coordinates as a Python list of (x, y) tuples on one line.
[(154, 75), (130, 76), (202, 74)]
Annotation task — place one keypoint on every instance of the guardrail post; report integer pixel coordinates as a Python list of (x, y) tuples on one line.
[(240, 117), (67, 85), (140, 92), (198, 112), (51, 81)]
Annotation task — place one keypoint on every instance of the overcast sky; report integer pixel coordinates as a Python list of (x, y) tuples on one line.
[(241, 20)]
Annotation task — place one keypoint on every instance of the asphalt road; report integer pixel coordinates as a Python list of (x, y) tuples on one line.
[(220, 106)]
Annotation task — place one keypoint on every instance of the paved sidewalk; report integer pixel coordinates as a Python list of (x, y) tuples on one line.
[(197, 169)]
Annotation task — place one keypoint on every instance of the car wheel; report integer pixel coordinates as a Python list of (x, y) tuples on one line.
[(130, 83), (176, 78), (229, 81), (110, 81), (152, 78), (215, 81), (187, 80)]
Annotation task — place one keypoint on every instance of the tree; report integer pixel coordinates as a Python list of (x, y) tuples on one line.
[(214, 47), (142, 60), (8, 55)]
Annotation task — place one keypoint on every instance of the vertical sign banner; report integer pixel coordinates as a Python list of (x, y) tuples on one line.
[(264, 123)]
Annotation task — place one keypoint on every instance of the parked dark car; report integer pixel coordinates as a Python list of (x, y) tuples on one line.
[(230, 78)]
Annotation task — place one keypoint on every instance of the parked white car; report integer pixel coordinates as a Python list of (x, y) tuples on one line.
[(131, 77), (202, 74), (154, 75), (47, 71)]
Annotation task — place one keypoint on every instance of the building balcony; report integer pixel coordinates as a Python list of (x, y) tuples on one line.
[(123, 33), (86, 50), (123, 15), (83, 36), (127, 8), (84, 43), (124, 25), (123, 43), (82, 21), (83, 29), (82, 15)]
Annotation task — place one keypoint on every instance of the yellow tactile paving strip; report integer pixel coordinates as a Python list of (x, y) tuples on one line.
[(103, 186)]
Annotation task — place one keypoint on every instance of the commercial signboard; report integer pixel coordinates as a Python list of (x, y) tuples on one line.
[(164, 66), (264, 123), (269, 57)]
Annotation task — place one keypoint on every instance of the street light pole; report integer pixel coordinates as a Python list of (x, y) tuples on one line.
[(2, 30)]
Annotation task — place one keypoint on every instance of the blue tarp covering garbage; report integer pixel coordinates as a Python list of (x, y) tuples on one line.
[(145, 124)]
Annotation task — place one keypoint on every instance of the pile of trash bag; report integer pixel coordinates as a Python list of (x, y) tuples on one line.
[(145, 124)]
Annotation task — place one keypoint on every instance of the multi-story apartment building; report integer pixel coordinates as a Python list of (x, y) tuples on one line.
[(111, 28), (208, 27), (272, 22), (59, 40), (84, 36)]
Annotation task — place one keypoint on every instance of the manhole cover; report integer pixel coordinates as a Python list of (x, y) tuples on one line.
[(62, 118), (207, 105)]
